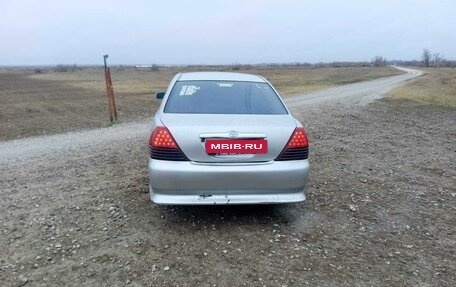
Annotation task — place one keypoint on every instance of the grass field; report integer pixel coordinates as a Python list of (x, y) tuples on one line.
[(53, 102), (287, 80), (436, 87)]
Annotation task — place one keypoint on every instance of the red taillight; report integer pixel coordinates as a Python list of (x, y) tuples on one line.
[(162, 146), (297, 147), (298, 139), (162, 138)]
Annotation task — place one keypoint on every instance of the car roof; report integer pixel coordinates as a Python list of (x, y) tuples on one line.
[(220, 76)]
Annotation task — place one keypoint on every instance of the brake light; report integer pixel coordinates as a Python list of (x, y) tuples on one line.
[(163, 146), (297, 147), (298, 139), (161, 137)]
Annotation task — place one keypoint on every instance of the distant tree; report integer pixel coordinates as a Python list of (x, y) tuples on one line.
[(155, 68), (437, 59), (66, 68), (426, 57), (379, 61), (61, 68)]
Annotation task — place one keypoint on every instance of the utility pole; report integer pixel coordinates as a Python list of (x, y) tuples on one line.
[(110, 92)]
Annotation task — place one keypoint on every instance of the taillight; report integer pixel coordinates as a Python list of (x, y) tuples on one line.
[(297, 147), (163, 146), (161, 137)]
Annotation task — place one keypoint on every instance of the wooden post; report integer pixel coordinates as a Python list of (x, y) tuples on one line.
[(110, 92)]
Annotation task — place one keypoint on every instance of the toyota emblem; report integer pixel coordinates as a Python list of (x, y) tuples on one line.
[(233, 134)]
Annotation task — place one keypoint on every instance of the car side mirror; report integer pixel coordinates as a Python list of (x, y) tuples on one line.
[(159, 95)]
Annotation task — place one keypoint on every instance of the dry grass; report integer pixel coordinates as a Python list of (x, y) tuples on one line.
[(125, 80), (54, 102), (437, 87), (295, 81), (288, 81)]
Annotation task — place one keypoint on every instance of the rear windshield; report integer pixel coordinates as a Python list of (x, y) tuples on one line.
[(224, 97)]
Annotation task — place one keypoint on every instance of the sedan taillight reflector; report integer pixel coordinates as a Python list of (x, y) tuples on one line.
[(162, 146), (161, 137), (298, 139), (297, 147)]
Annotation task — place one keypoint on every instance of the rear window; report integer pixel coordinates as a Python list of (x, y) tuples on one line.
[(224, 97)]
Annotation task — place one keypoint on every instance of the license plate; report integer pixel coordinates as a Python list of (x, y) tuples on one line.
[(236, 146)]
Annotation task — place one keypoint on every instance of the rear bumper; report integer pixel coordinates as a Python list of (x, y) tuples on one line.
[(197, 183)]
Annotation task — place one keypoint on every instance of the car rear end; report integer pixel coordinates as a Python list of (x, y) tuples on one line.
[(222, 138)]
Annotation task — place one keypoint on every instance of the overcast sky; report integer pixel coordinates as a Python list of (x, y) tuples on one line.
[(37, 32)]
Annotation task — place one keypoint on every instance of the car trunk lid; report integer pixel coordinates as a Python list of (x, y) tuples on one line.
[(192, 131)]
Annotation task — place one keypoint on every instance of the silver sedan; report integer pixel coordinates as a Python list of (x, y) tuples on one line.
[(225, 138)]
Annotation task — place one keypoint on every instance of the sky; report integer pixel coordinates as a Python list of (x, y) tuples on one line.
[(50, 32)]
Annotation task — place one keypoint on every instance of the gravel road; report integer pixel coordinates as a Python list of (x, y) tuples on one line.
[(353, 94), (55, 145), (74, 208)]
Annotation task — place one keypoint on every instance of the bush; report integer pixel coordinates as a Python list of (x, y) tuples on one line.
[(66, 68)]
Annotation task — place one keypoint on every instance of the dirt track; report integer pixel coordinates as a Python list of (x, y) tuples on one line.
[(54, 145), (380, 210)]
